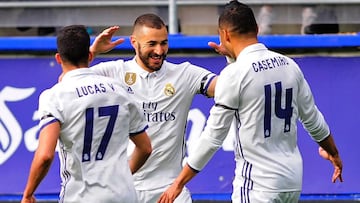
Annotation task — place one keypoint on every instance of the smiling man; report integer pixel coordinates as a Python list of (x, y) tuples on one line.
[(164, 92)]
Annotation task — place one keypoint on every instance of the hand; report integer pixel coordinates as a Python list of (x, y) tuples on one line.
[(28, 200), (170, 194), (337, 175), (336, 162), (219, 48), (103, 43)]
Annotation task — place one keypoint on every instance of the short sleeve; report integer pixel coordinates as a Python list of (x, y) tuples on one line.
[(109, 69), (200, 78), (49, 110), (137, 121), (227, 89)]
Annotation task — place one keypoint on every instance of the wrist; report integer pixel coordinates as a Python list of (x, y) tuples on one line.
[(92, 50), (229, 59)]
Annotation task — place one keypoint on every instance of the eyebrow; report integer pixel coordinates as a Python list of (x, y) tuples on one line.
[(155, 42)]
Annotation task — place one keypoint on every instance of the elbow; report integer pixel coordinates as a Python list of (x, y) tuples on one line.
[(45, 158), (147, 151)]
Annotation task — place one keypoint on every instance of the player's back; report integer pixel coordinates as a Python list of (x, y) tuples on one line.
[(95, 119), (267, 106)]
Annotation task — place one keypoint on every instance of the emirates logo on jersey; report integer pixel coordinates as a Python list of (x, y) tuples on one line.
[(130, 78), (169, 90)]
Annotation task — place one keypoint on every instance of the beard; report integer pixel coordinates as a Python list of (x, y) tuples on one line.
[(147, 60)]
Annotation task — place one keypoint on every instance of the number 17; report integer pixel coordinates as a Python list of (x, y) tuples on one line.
[(110, 111)]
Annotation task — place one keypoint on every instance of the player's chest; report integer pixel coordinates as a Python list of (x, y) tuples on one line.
[(155, 88)]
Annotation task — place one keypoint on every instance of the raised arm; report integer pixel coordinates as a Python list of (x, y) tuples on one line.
[(222, 51), (103, 42)]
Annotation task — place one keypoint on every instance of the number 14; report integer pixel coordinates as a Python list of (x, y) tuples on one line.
[(283, 113)]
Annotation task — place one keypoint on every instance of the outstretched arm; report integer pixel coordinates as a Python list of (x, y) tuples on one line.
[(103, 42), (328, 151)]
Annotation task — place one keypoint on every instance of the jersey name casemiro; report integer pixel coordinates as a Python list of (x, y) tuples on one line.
[(270, 63)]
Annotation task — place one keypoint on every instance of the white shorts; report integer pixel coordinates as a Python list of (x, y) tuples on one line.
[(248, 196), (151, 196)]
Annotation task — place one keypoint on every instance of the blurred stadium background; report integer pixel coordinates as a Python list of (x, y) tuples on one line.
[(322, 35)]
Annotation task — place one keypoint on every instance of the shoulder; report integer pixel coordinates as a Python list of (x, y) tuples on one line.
[(46, 94), (186, 68), (49, 96), (230, 69), (110, 64), (52, 91)]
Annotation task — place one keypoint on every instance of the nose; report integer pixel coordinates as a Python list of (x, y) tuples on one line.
[(159, 49)]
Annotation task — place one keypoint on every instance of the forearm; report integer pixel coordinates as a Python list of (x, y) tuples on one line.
[(38, 171), (185, 176), (137, 159), (328, 144)]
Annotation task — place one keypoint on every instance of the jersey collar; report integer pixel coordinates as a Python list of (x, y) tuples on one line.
[(252, 48), (76, 72)]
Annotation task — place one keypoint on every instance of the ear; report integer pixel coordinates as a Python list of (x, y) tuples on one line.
[(58, 58), (227, 35), (133, 41), (91, 57)]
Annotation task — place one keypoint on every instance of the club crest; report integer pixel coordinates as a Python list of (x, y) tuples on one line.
[(169, 90), (130, 78)]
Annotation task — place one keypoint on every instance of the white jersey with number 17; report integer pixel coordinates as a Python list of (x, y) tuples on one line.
[(96, 118)]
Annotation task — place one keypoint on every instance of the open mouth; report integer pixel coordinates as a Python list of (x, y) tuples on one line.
[(156, 58)]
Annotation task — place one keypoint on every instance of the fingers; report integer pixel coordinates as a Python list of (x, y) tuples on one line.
[(337, 175), (107, 33), (111, 30), (118, 41), (215, 46), (164, 198), (219, 48)]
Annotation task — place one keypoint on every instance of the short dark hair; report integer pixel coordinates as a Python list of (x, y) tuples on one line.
[(239, 18), (73, 43), (149, 20)]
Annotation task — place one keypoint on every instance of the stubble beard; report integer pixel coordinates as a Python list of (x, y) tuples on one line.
[(146, 58)]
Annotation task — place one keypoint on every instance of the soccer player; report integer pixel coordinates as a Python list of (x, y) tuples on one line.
[(164, 92), (266, 93), (92, 119)]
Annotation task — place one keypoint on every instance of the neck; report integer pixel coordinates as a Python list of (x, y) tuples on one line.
[(242, 43), (69, 67)]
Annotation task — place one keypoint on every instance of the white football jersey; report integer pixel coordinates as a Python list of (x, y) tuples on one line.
[(164, 97), (97, 118), (266, 93)]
